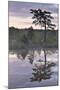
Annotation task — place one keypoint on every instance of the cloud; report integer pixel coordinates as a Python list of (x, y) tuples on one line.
[(23, 8), (26, 22), (56, 20), (20, 22)]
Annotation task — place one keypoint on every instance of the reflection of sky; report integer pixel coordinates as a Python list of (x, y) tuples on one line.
[(20, 11)]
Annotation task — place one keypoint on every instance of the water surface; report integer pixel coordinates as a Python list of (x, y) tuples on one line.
[(27, 69)]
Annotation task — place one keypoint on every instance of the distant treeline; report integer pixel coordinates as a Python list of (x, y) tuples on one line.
[(32, 38)]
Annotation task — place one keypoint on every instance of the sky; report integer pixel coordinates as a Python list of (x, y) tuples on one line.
[(20, 16)]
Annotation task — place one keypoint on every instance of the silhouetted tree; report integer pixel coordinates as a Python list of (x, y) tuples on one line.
[(30, 35), (43, 18)]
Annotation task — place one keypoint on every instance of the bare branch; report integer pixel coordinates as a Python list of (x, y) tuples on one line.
[(46, 12)]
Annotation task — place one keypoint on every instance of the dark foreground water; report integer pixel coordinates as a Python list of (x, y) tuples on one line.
[(29, 70)]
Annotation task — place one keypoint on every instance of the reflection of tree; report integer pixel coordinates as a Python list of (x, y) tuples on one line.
[(45, 55), (31, 57), (42, 72), (18, 55), (39, 51), (22, 53)]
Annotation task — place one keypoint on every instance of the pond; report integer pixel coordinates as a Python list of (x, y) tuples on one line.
[(27, 68)]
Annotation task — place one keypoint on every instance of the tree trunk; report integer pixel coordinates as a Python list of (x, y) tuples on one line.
[(45, 44), (45, 56)]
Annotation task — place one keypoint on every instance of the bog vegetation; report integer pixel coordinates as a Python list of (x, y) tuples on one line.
[(32, 38)]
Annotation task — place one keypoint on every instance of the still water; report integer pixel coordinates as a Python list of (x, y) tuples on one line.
[(27, 68)]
